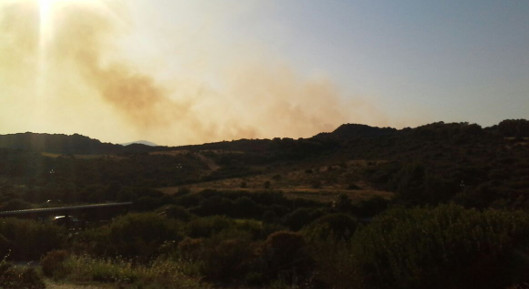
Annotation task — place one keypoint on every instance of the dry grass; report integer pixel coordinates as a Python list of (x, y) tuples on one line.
[(86, 272), (79, 156), (208, 161), (315, 181), (60, 285)]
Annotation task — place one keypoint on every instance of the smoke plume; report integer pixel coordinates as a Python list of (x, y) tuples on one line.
[(89, 89)]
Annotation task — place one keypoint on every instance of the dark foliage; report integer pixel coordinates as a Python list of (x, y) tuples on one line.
[(238, 238), (52, 263), (444, 247), (287, 257), (138, 235), (336, 226), (25, 240), (13, 277)]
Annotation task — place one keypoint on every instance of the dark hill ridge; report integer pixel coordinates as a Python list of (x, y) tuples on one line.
[(69, 144), (348, 131), (346, 135), (56, 143), (458, 162), (140, 142)]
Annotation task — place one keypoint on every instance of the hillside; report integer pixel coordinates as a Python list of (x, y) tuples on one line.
[(56, 143), (433, 163), (67, 144), (437, 200)]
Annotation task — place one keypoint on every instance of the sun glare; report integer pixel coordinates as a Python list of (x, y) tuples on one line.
[(47, 9)]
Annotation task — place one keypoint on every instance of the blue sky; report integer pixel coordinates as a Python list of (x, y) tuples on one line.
[(180, 72), (458, 60)]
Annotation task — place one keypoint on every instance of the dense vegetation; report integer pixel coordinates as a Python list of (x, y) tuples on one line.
[(457, 218)]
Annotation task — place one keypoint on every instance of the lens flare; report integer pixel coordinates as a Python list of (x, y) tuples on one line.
[(47, 8), (49, 11)]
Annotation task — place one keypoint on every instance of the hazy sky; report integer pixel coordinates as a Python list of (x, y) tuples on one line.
[(181, 72)]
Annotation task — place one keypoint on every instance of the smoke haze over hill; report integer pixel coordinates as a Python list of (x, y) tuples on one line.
[(182, 72), (73, 81)]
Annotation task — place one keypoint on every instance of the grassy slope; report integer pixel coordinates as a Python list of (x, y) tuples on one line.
[(320, 180)]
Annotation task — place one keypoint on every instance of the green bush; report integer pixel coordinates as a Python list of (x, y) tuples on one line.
[(177, 212), (17, 277), (444, 247), (28, 239), (159, 274), (137, 235), (334, 265), (15, 204), (191, 250), (286, 256), (337, 226), (301, 217), (228, 260), (52, 263), (244, 207), (208, 226), (370, 207)]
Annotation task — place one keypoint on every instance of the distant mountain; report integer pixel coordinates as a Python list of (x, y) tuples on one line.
[(348, 131), (140, 142)]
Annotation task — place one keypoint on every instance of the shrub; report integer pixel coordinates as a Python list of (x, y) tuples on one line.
[(133, 235), (208, 226), (227, 260), (286, 256), (335, 266), (301, 217), (15, 204), (444, 247), (15, 277), (177, 212), (337, 226), (370, 207), (215, 205), (160, 274), (245, 207), (270, 216), (52, 263), (257, 230), (28, 239), (191, 249), (343, 203)]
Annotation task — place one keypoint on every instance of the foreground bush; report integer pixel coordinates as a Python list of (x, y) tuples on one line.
[(228, 260), (137, 235), (28, 239), (15, 277), (211, 226), (335, 266), (444, 247), (52, 264), (286, 257), (235, 257), (337, 226)]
